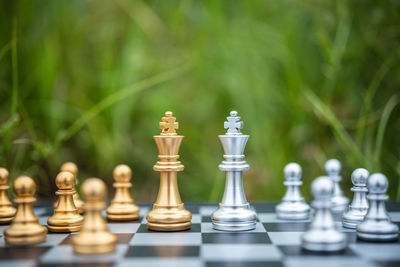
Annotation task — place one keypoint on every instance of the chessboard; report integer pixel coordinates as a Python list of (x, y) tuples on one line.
[(273, 243)]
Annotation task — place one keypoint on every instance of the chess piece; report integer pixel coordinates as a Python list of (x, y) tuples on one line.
[(359, 206), (94, 237), (7, 210), (72, 168), (168, 213), (322, 236), (293, 206), (339, 201), (377, 225), (25, 228), (66, 217), (234, 212), (122, 207)]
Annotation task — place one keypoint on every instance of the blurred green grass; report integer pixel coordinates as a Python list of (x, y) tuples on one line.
[(88, 81)]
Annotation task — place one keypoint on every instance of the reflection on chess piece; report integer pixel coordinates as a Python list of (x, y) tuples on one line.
[(234, 212), (339, 201), (122, 207), (72, 168), (66, 217), (168, 213), (7, 210), (25, 228), (94, 237)]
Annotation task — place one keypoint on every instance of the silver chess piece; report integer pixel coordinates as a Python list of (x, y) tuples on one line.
[(322, 236), (293, 206), (377, 225), (359, 206), (234, 212), (339, 201)]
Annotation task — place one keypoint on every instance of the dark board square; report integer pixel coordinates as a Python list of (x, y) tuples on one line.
[(195, 228), (264, 207), (163, 251), (22, 252), (298, 251), (393, 206), (78, 264), (244, 264), (235, 238), (287, 226), (387, 263), (121, 239), (206, 219)]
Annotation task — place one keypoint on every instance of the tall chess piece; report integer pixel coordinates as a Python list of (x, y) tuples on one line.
[(293, 206), (7, 210), (339, 201), (122, 207), (72, 168), (359, 206), (234, 212), (168, 213), (94, 237), (322, 236), (66, 217), (25, 228), (377, 225)]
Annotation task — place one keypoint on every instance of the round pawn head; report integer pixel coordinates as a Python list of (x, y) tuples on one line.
[(24, 186), (333, 167), (70, 167), (322, 188), (377, 183), (233, 113), (65, 180), (3, 176), (94, 189), (359, 177), (122, 173), (292, 172)]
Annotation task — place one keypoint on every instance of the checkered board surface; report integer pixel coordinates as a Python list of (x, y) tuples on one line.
[(273, 243)]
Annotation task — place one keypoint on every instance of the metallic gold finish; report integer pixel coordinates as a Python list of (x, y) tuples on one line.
[(168, 213), (122, 207), (94, 237), (66, 217), (72, 168), (7, 210), (25, 228)]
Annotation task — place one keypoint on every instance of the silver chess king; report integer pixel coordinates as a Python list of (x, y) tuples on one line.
[(234, 212)]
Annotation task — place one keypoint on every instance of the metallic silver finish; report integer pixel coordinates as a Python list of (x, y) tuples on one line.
[(234, 212), (322, 236), (377, 225), (339, 201), (359, 206), (293, 206)]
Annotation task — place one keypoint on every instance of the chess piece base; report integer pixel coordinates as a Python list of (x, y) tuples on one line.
[(94, 243), (324, 241), (293, 211), (169, 219), (7, 214), (352, 218), (378, 231), (234, 218), (25, 234), (122, 212), (65, 222)]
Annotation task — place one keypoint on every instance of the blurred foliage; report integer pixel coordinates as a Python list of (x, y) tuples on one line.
[(88, 81)]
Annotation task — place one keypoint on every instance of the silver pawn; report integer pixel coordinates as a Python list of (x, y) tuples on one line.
[(293, 206), (359, 206), (339, 201), (322, 236), (377, 225), (234, 212)]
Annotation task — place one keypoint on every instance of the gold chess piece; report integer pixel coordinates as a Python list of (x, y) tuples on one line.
[(7, 210), (94, 237), (25, 228), (122, 207), (66, 217), (168, 213)]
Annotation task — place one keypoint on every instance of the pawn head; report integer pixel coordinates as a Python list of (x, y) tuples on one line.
[(65, 180), (359, 177), (292, 171), (333, 167), (322, 188), (94, 189), (377, 183), (3, 176), (24, 186), (122, 173), (70, 167)]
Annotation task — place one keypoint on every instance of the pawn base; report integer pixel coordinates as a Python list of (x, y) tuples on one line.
[(352, 218), (234, 218), (324, 241), (25, 234), (381, 231), (64, 229), (169, 219), (293, 211), (6, 220), (94, 243), (122, 212)]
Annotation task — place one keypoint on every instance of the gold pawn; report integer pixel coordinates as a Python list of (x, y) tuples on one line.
[(7, 210), (66, 217), (94, 237), (25, 228), (168, 213), (122, 207)]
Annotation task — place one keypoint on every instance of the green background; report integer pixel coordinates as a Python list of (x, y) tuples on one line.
[(88, 81)]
